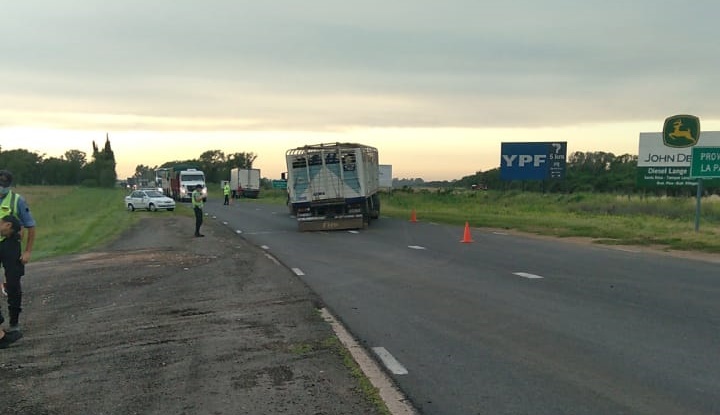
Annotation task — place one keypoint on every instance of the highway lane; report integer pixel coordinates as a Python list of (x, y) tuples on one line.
[(603, 331)]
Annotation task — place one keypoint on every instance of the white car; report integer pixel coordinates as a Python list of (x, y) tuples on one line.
[(151, 200)]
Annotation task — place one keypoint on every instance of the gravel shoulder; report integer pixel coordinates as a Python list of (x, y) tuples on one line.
[(160, 322)]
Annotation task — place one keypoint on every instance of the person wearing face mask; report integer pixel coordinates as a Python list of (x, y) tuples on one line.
[(14, 204)]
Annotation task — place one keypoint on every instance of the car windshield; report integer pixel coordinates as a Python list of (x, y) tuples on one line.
[(154, 193)]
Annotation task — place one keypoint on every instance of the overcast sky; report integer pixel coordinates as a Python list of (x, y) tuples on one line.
[(439, 71)]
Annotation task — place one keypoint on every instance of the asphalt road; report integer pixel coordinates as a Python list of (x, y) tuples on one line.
[(510, 324)]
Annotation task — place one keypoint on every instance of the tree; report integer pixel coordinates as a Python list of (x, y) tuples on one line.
[(101, 171), (25, 166)]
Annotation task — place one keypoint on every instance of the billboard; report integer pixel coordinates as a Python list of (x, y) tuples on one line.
[(664, 163), (533, 161)]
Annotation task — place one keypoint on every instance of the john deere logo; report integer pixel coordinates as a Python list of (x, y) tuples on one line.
[(681, 131)]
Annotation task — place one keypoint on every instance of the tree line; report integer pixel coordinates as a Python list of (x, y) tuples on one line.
[(72, 168), (594, 171), (214, 163)]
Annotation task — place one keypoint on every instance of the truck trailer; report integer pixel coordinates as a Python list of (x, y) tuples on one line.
[(333, 186), (245, 182)]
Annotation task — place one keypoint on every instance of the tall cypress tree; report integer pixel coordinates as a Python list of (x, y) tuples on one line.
[(107, 175), (102, 168)]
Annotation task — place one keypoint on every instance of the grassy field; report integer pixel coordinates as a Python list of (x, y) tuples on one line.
[(78, 219), (621, 220)]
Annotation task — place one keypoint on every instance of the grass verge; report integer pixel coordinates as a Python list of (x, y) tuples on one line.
[(78, 219)]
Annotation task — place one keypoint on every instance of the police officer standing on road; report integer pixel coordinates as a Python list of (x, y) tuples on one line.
[(226, 191), (197, 203), (12, 204)]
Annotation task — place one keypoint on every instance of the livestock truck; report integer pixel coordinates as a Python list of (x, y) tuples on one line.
[(245, 182), (333, 186), (179, 182)]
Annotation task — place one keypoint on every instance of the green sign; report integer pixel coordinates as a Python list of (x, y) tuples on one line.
[(279, 184), (705, 162), (681, 131)]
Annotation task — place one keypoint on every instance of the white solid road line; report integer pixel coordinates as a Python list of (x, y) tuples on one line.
[(298, 271), (526, 275), (389, 361), (273, 259), (395, 401)]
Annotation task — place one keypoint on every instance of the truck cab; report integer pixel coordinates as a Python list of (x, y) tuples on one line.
[(188, 180)]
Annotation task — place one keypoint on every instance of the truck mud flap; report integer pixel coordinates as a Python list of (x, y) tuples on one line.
[(331, 224)]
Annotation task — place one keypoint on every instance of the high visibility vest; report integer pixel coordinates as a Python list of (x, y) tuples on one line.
[(195, 203), (9, 206), (226, 189)]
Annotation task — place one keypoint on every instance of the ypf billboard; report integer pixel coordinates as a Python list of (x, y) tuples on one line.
[(533, 161)]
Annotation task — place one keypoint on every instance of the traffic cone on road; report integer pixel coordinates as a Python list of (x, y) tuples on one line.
[(413, 216), (466, 236)]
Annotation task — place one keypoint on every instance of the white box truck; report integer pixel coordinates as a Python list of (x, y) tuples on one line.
[(245, 182), (333, 186)]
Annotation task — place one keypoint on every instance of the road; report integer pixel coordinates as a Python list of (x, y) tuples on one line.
[(510, 324)]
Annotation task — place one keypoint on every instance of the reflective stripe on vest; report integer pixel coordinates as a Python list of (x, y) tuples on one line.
[(197, 203), (9, 205)]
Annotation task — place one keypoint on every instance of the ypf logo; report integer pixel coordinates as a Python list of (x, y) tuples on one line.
[(681, 131)]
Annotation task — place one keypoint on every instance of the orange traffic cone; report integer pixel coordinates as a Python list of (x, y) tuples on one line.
[(466, 236), (413, 217)]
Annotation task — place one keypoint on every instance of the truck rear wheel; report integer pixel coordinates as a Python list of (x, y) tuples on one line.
[(375, 210), (367, 213)]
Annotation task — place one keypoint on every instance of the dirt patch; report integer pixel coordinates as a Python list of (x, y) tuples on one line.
[(160, 322)]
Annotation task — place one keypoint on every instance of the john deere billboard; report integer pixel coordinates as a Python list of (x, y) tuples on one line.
[(665, 158)]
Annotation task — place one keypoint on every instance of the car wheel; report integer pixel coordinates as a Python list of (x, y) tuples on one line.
[(131, 208), (152, 207)]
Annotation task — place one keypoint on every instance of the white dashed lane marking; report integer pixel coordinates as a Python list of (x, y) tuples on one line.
[(389, 361), (298, 271), (527, 275), (273, 259), (416, 247)]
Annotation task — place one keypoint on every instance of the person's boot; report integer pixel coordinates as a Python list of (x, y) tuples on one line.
[(14, 321)]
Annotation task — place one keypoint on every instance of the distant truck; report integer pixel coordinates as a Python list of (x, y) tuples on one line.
[(179, 182), (245, 182), (333, 186)]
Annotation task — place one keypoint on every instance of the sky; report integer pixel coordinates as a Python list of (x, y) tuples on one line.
[(436, 86)]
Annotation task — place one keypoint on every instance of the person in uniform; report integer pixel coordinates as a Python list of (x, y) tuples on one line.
[(197, 203), (10, 253), (13, 204), (226, 191)]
